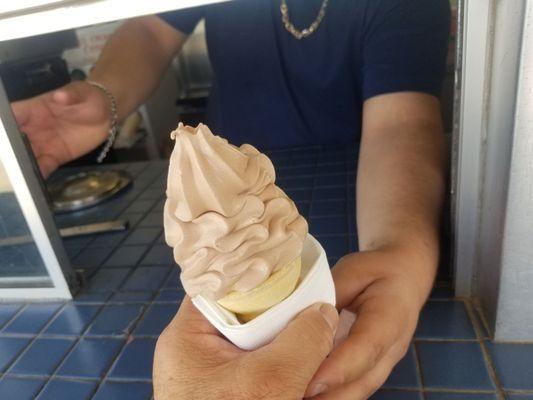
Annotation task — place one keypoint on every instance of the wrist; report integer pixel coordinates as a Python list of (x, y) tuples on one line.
[(416, 264), (112, 119)]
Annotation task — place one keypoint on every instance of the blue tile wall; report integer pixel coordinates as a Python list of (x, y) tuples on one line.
[(115, 319), (404, 374), (92, 257), (72, 319), (20, 389), (100, 346), (513, 364), (126, 256), (445, 320), (159, 254), (90, 358), (460, 396), (156, 319), (41, 357), (131, 297), (146, 278), (135, 361), (10, 348), (124, 391), (32, 319), (108, 279), (8, 311), (396, 395), (56, 389), (454, 365), (142, 236)]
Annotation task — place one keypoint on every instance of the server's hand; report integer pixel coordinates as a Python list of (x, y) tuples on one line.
[(193, 361), (381, 288), (64, 124)]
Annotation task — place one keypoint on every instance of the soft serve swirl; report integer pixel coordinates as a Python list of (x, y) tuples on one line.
[(230, 226)]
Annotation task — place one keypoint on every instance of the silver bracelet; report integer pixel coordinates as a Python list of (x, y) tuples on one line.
[(113, 118)]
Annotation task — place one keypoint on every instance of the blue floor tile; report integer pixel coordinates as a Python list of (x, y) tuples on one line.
[(124, 391), (146, 278), (513, 364), (19, 389), (142, 236), (131, 297), (32, 319), (7, 311), (396, 395), (445, 320), (110, 239), (116, 319), (126, 256), (514, 396), (108, 279), (67, 390), (156, 319), (172, 295), (132, 218), (92, 257), (160, 254), (173, 280), (454, 365), (404, 375), (72, 319), (152, 219), (10, 348), (135, 361), (42, 357), (460, 396), (90, 358), (84, 297), (140, 206)]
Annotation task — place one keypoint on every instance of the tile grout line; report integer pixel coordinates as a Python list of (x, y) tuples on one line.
[(35, 338), (21, 308), (78, 339), (486, 356), (418, 367), (87, 245), (144, 310)]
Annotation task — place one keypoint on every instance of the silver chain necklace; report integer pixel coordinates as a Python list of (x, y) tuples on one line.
[(304, 32)]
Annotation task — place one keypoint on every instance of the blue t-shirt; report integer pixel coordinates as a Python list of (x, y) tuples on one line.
[(272, 90)]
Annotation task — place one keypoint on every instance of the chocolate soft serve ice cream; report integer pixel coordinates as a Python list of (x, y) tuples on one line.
[(236, 236)]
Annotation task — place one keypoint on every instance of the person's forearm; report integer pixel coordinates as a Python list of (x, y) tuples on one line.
[(400, 185), (134, 59)]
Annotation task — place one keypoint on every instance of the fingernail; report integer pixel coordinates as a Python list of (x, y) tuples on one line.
[(330, 315), (317, 389)]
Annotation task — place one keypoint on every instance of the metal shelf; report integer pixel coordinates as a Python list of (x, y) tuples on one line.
[(36, 17)]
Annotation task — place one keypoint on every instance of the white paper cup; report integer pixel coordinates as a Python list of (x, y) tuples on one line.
[(316, 286)]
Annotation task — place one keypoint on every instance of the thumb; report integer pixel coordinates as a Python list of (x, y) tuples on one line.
[(304, 344), (71, 94)]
